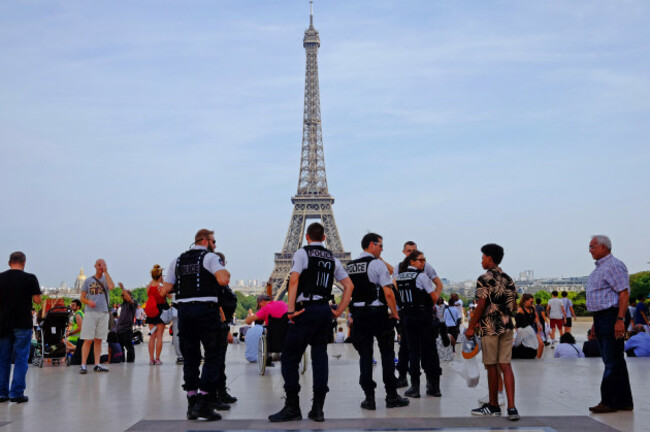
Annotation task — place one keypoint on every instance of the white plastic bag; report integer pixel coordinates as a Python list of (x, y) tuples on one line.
[(467, 368)]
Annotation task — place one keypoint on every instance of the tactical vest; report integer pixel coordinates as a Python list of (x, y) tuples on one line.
[(318, 277), (364, 290), (192, 279), (410, 295)]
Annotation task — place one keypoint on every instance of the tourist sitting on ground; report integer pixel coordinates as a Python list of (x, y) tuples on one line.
[(528, 343), (568, 348), (639, 343), (641, 313), (115, 353), (340, 336), (590, 347)]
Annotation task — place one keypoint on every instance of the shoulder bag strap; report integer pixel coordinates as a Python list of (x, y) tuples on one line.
[(105, 293)]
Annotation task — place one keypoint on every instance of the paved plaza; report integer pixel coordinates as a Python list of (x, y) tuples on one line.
[(552, 395)]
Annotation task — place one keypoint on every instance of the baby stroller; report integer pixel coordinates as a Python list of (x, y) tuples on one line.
[(51, 337)]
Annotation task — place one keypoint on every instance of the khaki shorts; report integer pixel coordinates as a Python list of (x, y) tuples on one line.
[(94, 326), (497, 349)]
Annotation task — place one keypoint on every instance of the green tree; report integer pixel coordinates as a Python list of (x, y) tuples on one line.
[(640, 284), (140, 295), (115, 296), (544, 295), (244, 303)]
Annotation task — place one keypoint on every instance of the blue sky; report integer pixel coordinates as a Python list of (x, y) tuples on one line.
[(126, 126)]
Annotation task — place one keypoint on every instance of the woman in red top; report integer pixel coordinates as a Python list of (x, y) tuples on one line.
[(156, 326)]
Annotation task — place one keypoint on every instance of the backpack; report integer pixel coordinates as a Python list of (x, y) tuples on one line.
[(151, 308)]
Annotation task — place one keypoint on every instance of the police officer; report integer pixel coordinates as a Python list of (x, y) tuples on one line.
[(403, 353), (372, 297), (228, 305), (310, 289), (197, 279), (417, 297)]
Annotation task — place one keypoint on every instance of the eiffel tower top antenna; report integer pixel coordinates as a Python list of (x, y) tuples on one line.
[(311, 14)]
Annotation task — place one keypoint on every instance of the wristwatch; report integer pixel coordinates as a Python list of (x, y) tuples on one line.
[(620, 319)]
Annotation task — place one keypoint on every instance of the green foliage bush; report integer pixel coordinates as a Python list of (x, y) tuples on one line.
[(640, 284)]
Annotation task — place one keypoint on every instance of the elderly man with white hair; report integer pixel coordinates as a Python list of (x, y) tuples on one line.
[(608, 293)]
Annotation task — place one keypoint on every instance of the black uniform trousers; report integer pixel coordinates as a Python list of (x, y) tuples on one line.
[(199, 324), (312, 327), (420, 329), (223, 347), (371, 323), (403, 353)]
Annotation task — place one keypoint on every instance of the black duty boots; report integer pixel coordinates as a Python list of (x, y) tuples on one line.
[(369, 401), (201, 408), (217, 403), (402, 381), (433, 387), (191, 400), (290, 412), (414, 390), (316, 413), (225, 397), (395, 401)]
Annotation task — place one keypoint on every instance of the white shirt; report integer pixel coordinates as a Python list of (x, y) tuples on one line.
[(210, 263), (555, 305), (377, 274), (565, 350), (301, 262)]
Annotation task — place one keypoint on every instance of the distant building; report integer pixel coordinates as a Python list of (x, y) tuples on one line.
[(80, 281), (527, 276)]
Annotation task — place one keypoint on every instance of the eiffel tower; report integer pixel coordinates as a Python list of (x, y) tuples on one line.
[(313, 200)]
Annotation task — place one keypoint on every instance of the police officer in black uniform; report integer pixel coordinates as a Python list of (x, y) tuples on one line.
[(310, 288), (228, 305), (417, 297), (197, 279), (403, 354), (372, 297)]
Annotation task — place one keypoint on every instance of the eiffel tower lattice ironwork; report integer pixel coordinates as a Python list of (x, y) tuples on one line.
[(313, 200)]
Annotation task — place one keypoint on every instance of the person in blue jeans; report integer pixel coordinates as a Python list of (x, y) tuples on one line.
[(17, 291), (608, 293)]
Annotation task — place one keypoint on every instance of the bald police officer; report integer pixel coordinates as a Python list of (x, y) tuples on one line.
[(197, 278), (372, 297), (310, 289), (403, 353)]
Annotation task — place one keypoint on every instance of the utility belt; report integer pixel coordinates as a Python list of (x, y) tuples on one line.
[(380, 308), (302, 304), (209, 304)]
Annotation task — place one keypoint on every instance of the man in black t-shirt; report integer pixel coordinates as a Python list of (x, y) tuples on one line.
[(17, 291)]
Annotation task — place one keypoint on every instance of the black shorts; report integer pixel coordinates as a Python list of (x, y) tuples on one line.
[(568, 322), (154, 320)]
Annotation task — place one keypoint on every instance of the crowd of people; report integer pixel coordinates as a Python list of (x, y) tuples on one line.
[(384, 303)]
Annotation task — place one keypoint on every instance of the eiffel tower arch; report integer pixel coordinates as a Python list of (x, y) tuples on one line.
[(313, 200)]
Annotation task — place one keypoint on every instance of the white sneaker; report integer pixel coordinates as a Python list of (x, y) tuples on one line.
[(486, 399)]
